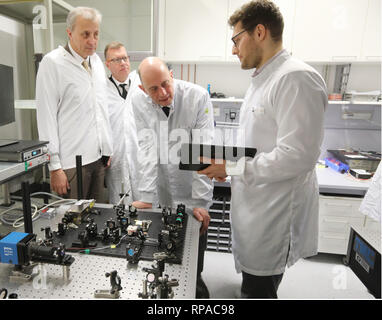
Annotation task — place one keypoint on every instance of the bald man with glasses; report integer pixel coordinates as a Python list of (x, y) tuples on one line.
[(166, 110)]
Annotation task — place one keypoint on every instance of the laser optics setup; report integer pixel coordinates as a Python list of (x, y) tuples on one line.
[(119, 234)]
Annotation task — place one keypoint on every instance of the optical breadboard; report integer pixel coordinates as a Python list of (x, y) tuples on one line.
[(120, 249)]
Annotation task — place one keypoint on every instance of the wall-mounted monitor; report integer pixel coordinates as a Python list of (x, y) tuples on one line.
[(7, 100)]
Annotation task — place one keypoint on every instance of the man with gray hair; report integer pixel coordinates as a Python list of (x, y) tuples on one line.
[(71, 110)]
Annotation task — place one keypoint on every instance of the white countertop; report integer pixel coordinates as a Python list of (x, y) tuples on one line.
[(331, 181)]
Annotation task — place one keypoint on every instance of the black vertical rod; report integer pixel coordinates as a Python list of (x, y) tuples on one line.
[(45, 185), (79, 177), (27, 209)]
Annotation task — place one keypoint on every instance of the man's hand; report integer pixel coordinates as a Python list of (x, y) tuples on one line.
[(59, 182), (202, 215), (215, 170), (142, 205), (108, 163)]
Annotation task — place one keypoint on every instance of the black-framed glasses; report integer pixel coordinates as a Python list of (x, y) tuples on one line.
[(119, 60), (235, 36)]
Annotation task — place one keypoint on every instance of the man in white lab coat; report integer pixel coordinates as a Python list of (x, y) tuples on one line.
[(371, 203), (274, 205), (121, 84), (168, 112), (71, 110)]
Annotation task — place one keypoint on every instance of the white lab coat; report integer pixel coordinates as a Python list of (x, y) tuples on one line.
[(274, 204), (71, 109), (371, 203), (191, 110), (124, 167)]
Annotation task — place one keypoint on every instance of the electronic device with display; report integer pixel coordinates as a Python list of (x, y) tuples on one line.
[(7, 102), (190, 154), (23, 150), (365, 261)]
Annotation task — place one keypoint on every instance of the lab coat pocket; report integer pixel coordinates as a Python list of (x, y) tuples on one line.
[(257, 114), (258, 111)]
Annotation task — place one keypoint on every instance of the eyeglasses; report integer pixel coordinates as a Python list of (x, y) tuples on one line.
[(235, 36), (119, 60)]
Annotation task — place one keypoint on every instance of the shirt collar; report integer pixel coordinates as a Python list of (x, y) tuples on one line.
[(77, 56), (258, 71), (118, 83)]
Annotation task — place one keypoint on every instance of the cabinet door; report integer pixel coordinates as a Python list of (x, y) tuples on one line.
[(371, 47), (287, 10), (336, 216), (233, 5), (329, 30), (195, 30)]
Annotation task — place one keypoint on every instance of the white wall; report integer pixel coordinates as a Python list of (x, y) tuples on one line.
[(126, 21)]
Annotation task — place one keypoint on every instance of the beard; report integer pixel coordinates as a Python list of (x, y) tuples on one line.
[(252, 61)]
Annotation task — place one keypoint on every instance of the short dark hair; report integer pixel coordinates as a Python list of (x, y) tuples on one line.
[(260, 12), (112, 45)]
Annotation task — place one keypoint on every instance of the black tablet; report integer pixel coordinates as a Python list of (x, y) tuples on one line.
[(191, 153)]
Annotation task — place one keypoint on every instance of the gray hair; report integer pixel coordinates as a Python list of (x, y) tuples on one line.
[(86, 13)]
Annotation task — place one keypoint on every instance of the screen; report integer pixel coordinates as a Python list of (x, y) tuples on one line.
[(367, 253), (7, 102)]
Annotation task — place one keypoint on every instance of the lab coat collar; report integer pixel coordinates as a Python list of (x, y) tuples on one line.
[(72, 56), (281, 53), (77, 56)]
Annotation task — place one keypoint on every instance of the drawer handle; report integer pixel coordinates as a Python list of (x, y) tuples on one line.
[(334, 237), (338, 205), (335, 221)]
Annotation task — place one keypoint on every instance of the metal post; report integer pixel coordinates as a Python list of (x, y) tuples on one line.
[(7, 196), (66, 273), (28, 227), (79, 177), (45, 185)]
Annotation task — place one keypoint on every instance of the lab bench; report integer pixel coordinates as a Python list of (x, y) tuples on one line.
[(340, 198), (87, 273)]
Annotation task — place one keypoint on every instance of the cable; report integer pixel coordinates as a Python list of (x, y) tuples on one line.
[(36, 214), (87, 250), (40, 193), (3, 219), (12, 221), (120, 240), (47, 194), (10, 209)]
